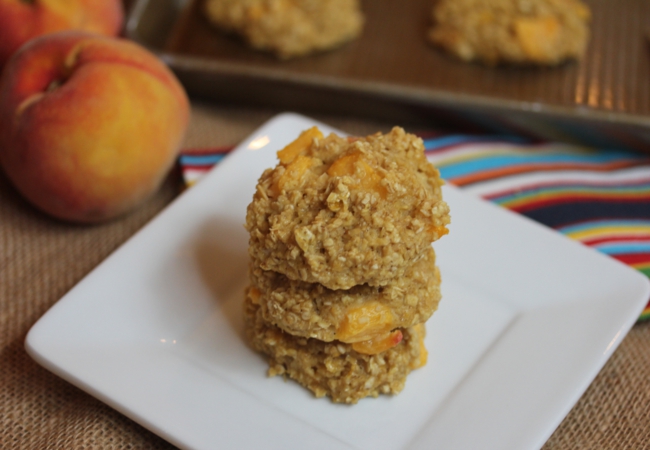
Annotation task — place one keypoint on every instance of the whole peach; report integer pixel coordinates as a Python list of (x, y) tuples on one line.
[(89, 125), (22, 20)]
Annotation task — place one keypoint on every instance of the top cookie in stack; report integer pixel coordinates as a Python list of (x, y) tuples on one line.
[(344, 211)]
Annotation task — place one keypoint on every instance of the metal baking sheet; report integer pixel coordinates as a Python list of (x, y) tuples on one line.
[(392, 72)]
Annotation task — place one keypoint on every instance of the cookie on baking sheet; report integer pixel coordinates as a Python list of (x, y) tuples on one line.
[(538, 32), (311, 310), (288, 28), (346, 211), (333, 368)]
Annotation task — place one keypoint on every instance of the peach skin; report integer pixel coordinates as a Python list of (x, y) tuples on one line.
[(89, 125)]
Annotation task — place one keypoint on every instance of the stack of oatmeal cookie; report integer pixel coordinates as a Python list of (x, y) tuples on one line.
[(342, 273)]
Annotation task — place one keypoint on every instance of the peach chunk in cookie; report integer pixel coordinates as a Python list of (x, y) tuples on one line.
[(344, 212)]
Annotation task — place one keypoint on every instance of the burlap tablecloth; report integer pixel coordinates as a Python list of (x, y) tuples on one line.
[(41, 259)]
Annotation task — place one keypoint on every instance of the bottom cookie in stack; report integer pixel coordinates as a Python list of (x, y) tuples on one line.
[(335, 368)]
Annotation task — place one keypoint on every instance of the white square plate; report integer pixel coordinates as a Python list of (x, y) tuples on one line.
[(526, 321)]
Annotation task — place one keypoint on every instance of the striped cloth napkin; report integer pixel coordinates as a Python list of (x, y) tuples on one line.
[(600, 197)]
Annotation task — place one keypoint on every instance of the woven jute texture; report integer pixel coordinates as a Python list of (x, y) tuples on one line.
[(41, 259)]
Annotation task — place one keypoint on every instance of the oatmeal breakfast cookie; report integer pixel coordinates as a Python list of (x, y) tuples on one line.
[(343, 212), (354, 315), (539, 32), (288, 28), (334, 368)]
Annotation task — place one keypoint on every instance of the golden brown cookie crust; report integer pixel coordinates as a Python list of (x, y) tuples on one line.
[(288, 28), (334, 368), (346, 212), (538, 32), (312, 310)]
